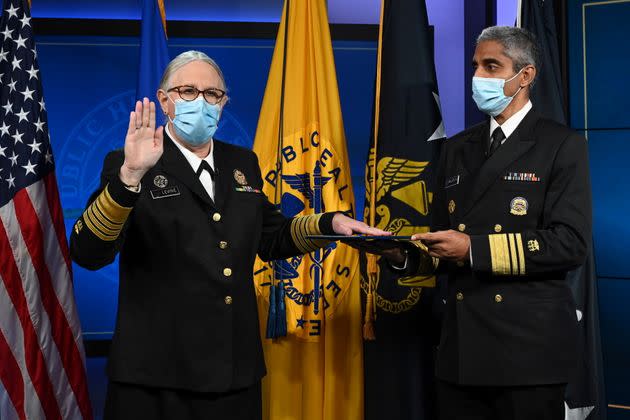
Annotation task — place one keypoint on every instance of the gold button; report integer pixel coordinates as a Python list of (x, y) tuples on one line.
[(460, 263), (461, 227), (497, 228), (228, 300), (498, 298), (223, 245), (227, 272), (216, 217), (460, 296)]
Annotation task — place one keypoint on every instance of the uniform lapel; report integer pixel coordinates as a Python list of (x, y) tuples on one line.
[(222, 182), (516, 145), (468, 159), (473, 152), (176, 164)]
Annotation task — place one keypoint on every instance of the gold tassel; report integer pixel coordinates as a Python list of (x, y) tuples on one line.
[(369, 332)]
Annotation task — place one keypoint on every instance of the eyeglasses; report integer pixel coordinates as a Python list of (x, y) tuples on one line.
[(190, 93)]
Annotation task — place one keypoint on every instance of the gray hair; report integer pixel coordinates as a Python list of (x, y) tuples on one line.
[(519, 45), (183, 59)]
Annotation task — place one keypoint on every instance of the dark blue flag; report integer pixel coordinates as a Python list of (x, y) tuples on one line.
[(401, 327), (153, 51), (537, 16), (585, 394)]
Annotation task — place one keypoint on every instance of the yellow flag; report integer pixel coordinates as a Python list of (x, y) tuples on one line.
[(316, 371)]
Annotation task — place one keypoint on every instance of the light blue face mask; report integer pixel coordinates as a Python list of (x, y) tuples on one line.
[(195, 121), (489, 96)]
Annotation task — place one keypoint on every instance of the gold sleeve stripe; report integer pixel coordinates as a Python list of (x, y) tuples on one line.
[(90, 225), (105, 218), (499, 254), (303, 226), (96, 221), (521, 254), (514, 261), (296, 233), (114, 211), (506, 253)]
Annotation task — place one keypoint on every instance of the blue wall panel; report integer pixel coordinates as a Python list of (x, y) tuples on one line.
[(609, 151), (599, 58)]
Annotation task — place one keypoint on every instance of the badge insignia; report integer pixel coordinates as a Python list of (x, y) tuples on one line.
[(533, 245), (451, 207), (240, 177), (78, 226), (519, 206), (160, 181)]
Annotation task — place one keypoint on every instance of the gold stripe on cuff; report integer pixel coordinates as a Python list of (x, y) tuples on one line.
[(92, 228), (105, 218), (513, 258), (97, 221), (499, 254), (303, 226), (521, 254), (111, 209)]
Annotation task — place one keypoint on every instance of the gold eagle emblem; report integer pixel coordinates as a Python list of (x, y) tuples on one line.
[(390, 172)]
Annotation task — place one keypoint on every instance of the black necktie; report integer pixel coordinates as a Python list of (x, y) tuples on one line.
[(206, 166), (497, 138)]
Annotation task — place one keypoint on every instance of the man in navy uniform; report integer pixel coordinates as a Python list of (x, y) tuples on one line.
[(187, 216), (511, 215)]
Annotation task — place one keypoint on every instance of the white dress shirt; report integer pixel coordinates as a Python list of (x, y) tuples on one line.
[(195, 161), (511, 123)]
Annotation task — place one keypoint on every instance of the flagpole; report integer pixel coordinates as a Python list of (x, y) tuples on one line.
[(276, 320), (372, 266)]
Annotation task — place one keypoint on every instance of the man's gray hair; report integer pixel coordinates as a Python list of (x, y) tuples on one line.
[(183, 59), (519, 45)]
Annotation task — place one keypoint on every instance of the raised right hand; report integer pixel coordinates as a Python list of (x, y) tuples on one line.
[(143, 144)]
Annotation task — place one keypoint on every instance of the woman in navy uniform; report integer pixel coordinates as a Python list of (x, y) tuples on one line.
[(187, 216), (511, 215)]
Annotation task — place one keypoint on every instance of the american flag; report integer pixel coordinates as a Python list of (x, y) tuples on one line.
[(42, 362)]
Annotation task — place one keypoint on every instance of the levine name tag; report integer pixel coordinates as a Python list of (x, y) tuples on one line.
[(165, 192)]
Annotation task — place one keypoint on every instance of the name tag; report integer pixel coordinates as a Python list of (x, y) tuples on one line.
[(451, 181), (165, 192)]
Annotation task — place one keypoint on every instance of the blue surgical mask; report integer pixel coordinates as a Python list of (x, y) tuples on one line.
[(195, 121), (489, 96)]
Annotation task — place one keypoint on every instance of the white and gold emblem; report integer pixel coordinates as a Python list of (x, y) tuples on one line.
[(451, 207), (533, 245), (240, 177), (160, 181), (519, 206)]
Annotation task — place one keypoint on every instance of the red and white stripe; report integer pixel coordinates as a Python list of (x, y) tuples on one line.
[(40, 337)]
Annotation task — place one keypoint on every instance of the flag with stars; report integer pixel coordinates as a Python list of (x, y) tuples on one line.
[(42, 362)]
